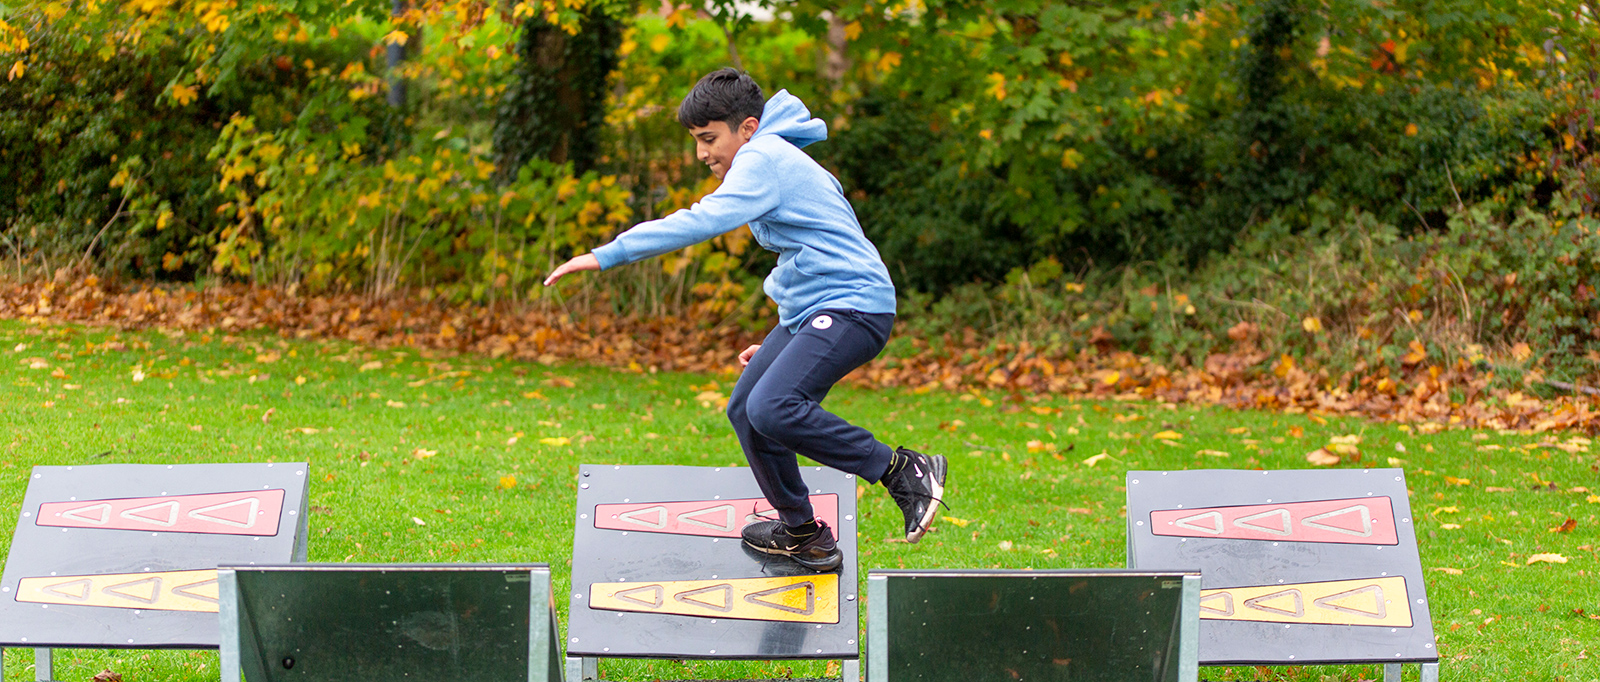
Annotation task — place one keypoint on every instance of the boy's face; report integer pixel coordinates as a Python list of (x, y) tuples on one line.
[(715, 143)]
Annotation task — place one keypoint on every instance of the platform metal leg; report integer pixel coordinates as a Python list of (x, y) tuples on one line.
[(582, 669), (41, 665), (1429, 672), (850, 671)]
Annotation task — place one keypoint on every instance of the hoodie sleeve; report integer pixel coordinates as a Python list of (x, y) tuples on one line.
[(746, 194)]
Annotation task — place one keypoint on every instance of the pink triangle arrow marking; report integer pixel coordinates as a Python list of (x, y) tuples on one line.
[(229, 513), (146, 514), (102, 515)]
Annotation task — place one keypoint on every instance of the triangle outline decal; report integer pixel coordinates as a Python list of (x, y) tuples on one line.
[(808, 586), (208, 513), (1187, 522), (55, 589), (1330, 602), (190, 591), (726, 589), (1227, 604), (105, 513), (634, 517), (1259, 603), (1366, 521), (726, 525), (658, 593), (1248, 522), (137, 513), (155, 590)]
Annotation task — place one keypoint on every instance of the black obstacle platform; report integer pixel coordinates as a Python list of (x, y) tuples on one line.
[(364, 622), (125, 555), (1100, 625), (658, 570), (1300, 566)]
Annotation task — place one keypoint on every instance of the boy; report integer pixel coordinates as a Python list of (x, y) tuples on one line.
[(835, 307)]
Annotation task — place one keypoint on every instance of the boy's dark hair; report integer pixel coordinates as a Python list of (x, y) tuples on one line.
[(727, 94)]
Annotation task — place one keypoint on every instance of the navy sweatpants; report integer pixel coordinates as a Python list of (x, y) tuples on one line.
[(774, 407)]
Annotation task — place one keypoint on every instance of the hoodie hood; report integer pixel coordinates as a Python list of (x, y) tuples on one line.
[(787, 117)]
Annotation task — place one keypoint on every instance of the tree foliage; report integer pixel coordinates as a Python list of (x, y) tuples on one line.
[(976, 139), (1126, 131)]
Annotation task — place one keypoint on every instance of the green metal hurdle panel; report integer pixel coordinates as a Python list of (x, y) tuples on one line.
[(364, 622), (1096, 625)]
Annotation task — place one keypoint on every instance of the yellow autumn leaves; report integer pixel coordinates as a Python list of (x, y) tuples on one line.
[(13, 41)]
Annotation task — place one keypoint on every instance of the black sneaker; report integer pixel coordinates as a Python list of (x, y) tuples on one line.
[(918, 487), (816, 551)]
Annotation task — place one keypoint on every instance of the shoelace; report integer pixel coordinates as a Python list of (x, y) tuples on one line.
[(910, 490)]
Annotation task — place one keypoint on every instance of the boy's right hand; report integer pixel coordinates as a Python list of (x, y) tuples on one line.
[(744, 358), (584, 262)]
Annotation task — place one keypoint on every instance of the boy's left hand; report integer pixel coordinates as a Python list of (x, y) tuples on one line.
[(585, 262)]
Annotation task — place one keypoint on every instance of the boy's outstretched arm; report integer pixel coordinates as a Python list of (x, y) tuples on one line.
[(584, 262)]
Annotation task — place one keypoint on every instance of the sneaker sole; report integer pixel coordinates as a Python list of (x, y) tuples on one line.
[(926, 522), (831, 562)]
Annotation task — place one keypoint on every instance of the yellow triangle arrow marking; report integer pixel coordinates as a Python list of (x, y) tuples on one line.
[(196, 590), (1376, 602), (1366, 601), (656, 594), (120, 590), (724, 589), (807, 598), (796, 599), (205, 590), (1227, 604), (81, 587)]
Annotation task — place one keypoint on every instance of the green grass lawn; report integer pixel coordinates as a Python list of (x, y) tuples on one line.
[(422, 457)]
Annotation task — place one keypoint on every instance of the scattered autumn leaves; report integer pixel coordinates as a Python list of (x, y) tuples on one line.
[(1425, 392)]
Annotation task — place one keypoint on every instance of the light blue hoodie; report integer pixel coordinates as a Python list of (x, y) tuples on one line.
[(793, 207)]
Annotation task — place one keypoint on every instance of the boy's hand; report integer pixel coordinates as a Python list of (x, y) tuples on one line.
[(744, 358), (585, 262)]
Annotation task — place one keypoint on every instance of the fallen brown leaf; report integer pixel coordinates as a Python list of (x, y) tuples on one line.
[(1418, 395), (1322, 458)]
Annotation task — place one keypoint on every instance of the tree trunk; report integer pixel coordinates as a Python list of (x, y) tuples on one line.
[(836, 62), (396, 58)]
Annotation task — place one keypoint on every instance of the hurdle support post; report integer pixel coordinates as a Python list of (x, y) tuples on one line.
[(582, 669), (1429, 672), (41, 659)]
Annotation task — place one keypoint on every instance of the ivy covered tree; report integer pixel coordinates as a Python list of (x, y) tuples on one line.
[(555, 106)]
